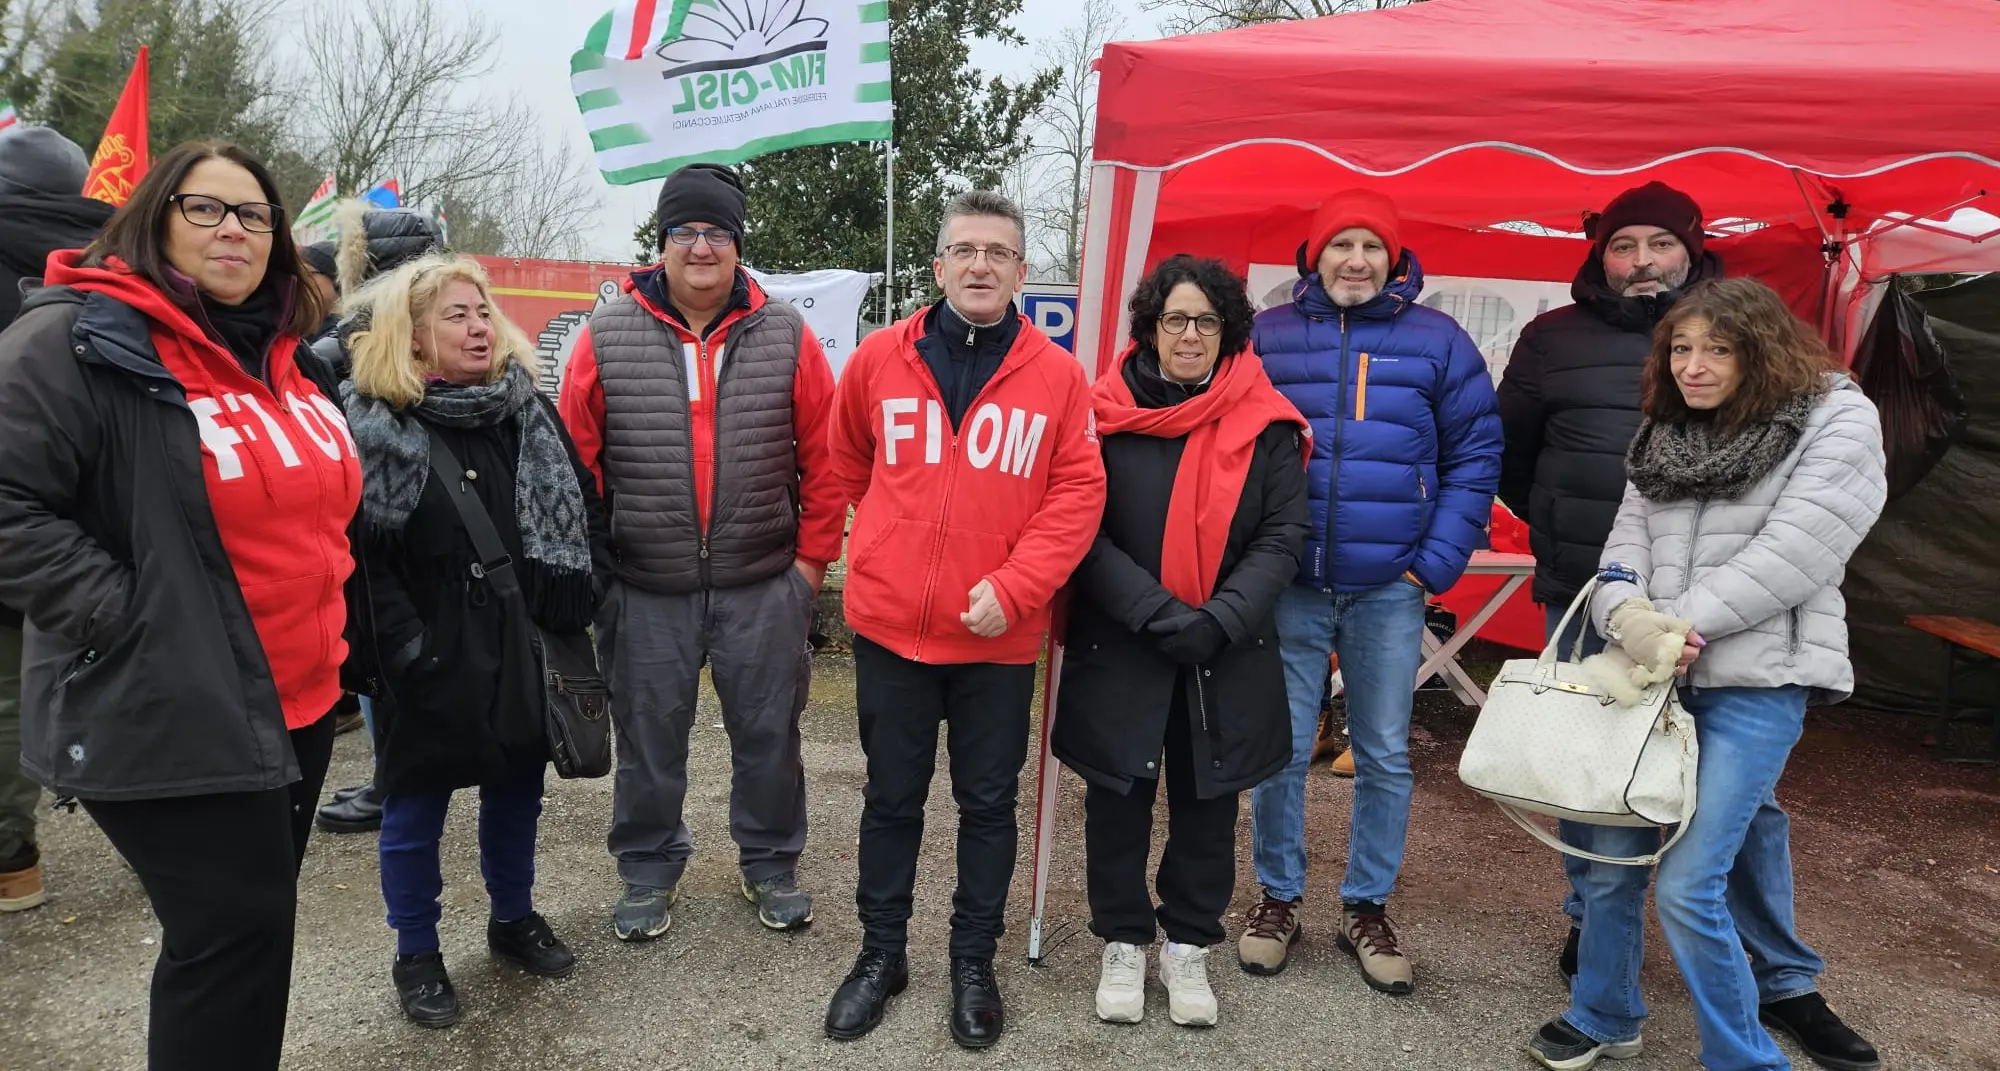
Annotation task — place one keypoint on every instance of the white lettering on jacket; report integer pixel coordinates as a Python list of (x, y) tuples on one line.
[(319, 419), (1014, 437)]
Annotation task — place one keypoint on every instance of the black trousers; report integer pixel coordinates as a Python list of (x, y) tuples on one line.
[(1197, 871), (901, 703), (222, 874)]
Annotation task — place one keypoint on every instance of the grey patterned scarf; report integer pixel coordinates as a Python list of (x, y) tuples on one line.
[(1672, 462), (395, 461)]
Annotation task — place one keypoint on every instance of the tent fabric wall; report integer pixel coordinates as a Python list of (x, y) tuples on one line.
[(1932, 551)]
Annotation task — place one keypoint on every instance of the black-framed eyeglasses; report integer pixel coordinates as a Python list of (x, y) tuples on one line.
[(259, 217), (1207, 323), (999, 256), (715, 236)]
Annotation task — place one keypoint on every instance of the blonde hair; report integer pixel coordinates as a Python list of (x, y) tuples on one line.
[(386, 364)]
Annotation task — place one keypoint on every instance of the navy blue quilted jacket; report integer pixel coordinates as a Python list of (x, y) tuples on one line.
[(1406, 433)]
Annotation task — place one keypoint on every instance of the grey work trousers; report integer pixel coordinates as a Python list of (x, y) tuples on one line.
[(652, 647)]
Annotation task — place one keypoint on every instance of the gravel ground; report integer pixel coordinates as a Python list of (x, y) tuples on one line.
[(1898, 862)]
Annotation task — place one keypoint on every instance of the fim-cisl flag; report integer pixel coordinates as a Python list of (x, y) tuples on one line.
[(663, 83)]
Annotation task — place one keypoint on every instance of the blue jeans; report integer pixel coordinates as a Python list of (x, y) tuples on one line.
[(412, 825), (1574, 834), (1379, 636), (1726, 887)]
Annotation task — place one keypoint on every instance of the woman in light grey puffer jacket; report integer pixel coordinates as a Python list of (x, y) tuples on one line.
[(1755, 475)]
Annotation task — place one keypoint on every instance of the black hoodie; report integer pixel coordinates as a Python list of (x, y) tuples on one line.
[(33, 225), (1569, 405)]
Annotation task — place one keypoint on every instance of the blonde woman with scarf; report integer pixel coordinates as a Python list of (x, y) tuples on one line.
[(1172, 666)]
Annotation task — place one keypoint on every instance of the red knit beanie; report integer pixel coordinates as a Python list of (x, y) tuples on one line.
[(1355, 208), (1655, 204)]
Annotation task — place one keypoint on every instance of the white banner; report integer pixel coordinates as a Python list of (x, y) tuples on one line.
[(724, 81), (830, 300)]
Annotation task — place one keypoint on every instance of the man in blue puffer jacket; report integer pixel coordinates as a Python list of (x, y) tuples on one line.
[(1405, 462)]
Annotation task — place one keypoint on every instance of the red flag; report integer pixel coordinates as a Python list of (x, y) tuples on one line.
[(122, 156)]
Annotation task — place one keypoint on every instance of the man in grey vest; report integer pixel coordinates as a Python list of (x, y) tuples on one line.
[(702, 406)]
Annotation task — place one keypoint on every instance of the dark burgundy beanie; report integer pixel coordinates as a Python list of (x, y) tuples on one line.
[(1655, 204)]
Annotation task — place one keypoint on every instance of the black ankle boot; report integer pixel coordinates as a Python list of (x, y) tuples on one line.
[(425, 990), (529, 944), (1830, 1042), (977, 1016), (359, 813), (858, 1004)]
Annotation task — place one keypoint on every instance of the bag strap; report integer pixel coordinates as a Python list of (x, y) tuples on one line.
[(1550, 655), (1688, 776), (495, 565)]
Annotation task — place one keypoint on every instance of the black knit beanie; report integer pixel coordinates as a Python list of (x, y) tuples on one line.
[(702, 193)]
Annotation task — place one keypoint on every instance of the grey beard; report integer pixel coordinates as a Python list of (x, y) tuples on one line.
[(1672, 281)]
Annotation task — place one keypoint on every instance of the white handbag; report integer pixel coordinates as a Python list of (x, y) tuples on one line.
[(1549, 742)]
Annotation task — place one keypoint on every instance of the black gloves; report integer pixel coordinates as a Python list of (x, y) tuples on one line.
[(1188, 638)]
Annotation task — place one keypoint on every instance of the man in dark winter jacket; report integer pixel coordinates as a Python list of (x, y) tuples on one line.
[(1406, 453), (1569, 403), (42, 209)]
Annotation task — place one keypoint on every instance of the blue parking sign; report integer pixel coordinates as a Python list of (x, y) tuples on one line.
[(1051, 307)]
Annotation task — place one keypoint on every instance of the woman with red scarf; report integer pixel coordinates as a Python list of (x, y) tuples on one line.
[(1171, 660)]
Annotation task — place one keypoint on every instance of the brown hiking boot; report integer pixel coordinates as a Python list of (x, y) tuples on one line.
[(1369, 937), (1268, 939), (22, 889)]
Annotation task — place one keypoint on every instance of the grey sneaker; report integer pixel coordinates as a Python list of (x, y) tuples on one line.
[(781, 904), (1562, 1047), (644, 912)]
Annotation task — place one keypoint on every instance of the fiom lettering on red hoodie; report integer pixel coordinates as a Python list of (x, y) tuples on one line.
[(284, 479), (1013, 496)]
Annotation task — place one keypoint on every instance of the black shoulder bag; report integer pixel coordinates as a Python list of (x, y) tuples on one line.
[(576, 702)]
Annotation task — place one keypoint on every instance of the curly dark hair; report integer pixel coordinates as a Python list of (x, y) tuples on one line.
[(1780, 356), (1225, 289)]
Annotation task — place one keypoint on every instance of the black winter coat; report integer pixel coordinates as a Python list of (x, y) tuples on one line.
[(140, 662), (33, 225), (1569, 407), (1117, 688), (467, 709)]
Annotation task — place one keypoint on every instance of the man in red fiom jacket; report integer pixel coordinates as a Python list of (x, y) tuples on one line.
[(966, 437)]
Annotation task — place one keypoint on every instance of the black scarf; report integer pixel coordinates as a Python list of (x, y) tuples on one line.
[(247, 330), (1675, 462)]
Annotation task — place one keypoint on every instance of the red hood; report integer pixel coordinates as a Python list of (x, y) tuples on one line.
[(118, 281)]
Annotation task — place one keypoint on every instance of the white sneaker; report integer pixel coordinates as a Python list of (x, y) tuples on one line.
[(1121, 989), (1184, 971)]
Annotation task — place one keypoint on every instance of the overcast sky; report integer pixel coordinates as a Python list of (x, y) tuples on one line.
[(537, 37)]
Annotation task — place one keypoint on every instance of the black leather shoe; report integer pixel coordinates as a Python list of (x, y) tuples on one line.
[(858, 1004), (1830, 1042), (359, 813), (425, 990), (341, 795), (529, 944), (976, 1015)]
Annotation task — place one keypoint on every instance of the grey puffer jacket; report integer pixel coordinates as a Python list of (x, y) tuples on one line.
[(1760, 575)]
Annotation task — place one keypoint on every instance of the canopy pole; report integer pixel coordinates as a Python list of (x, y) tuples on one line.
[(889, 278)]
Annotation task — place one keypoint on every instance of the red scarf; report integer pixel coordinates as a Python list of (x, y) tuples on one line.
[(1222, 425)]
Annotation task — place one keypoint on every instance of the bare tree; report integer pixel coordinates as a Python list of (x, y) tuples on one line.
[(388, 90), (1200, 16), (549, 205), (1056, 179)]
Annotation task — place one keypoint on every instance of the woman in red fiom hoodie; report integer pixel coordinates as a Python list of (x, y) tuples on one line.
[(175, 495)]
